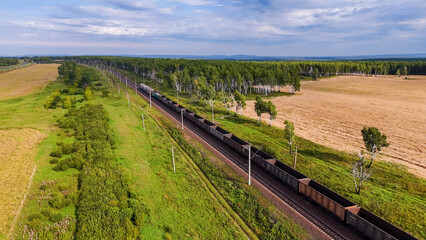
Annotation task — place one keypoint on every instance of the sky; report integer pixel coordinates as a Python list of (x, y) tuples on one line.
[(212, 27)]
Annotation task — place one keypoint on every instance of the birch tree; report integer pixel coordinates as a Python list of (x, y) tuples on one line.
[(259, 107), (271, 110), (374, 141), (289, 133), (360, 172)]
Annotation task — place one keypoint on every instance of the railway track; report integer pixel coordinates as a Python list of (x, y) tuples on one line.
[(318, 217)]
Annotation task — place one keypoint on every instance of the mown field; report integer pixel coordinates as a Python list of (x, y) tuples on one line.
[(333, 111), (26, 81), (392, 193), (175, 205)]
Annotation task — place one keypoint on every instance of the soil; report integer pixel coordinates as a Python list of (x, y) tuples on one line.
[(333, 111)]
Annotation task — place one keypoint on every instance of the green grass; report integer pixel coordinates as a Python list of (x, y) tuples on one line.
[(391, 193), (178, 203)]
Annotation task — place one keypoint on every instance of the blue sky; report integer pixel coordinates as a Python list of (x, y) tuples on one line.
[(210, 27)]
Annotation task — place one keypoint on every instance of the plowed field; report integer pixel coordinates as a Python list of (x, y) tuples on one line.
[(333, 111)]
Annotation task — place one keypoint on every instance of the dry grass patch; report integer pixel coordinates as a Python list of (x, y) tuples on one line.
[(333, 111), (18, 149), (28, 80)]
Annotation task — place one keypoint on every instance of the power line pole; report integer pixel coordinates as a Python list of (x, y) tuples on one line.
[(249, 165), (181, 114), (126, 81), (173, 156), (150, 98)]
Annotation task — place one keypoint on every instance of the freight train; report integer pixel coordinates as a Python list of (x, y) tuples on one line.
[(372, 226)]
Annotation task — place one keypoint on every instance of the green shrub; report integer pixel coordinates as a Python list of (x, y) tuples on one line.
[(47, 212), (58, 201), (56, 217), (105, 93), (57, 153), (33, 216), (88, 95), (67, 103), (53, 161), (67, 148), (53, 100)]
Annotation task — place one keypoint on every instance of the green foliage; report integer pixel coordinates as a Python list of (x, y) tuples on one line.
[(241, 101), (115, 215), (88, 95), (260, 107), (8, 61), (105, 93), (67, 103), (56, 217), (271, 110), (58, 201), (374, 141), (53, 161), (57, 152), (289, 133), (53, 100)]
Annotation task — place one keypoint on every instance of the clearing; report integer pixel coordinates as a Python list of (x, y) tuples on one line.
[(333, 111), (28, 80), (18, 148)]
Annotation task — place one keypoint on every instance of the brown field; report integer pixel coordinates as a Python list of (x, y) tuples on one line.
[(27, 80), (18, 149), (333, 111)]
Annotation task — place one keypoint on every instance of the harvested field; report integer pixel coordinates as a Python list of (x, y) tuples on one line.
[(333, 111), (28, 80), (18, 149)]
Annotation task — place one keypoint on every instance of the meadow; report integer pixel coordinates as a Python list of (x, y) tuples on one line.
[(26, 81)]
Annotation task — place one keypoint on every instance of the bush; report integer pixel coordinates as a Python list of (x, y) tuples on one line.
[(66, 91), (53, 100), (53, 161), (67, 148), (58, 201), (105, 93), (67, 103), (88, 95), (57, 153), (98, 84), (47, 212), (56, 217), (33, 216)]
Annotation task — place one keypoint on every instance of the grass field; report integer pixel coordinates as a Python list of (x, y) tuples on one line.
[(333, 111), (392, 193), (26, 81), (18, 149)]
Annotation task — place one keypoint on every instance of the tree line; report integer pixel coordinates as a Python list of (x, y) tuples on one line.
[(8, 61)]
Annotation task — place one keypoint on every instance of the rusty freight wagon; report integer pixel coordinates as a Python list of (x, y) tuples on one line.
[(373, 226), (219, 132), (236, 143), (284, 173), (325, 197)]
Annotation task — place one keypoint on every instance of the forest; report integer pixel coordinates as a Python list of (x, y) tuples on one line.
[(8, 61), (228, 76)]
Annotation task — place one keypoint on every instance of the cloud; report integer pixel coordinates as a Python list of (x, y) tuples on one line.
[(242, 23)]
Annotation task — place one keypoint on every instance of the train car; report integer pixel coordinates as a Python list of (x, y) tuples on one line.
[(188, 113), (284, 173), (219, 132), (199, 120), (174, 105), (236, 143), (156, 95), (373, 226), (325, 197), (180, 109), (206, 125)]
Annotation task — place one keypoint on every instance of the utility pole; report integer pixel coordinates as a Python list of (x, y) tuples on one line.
[(150, 99), (181, 115), (143, 122), (126, 81), (249, 165), (173, 156)]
